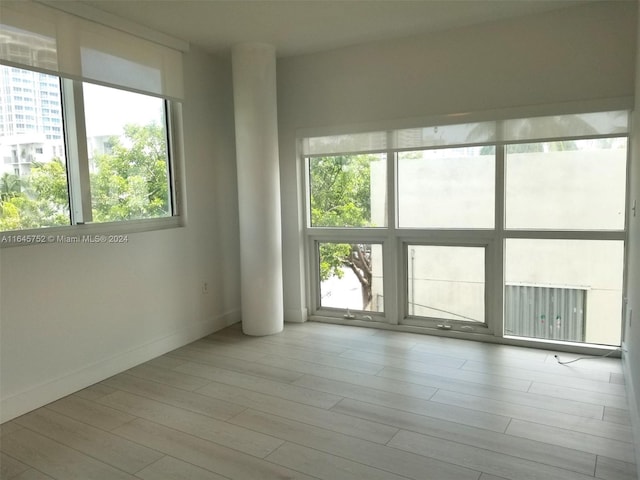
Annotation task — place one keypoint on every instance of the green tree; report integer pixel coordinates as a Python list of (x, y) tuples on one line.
[(341, 197), (131, 182), (37, 200), (48, 182)]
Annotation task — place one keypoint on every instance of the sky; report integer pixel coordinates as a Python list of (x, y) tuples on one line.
[(108, 109)]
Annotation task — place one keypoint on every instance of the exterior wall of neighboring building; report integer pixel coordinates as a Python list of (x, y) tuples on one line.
[(446, 282), (20, 152)]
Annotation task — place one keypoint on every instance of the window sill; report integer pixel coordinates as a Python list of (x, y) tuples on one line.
[(107, 233)]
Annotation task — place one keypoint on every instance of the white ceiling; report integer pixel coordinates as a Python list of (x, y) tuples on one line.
[(297, 27)]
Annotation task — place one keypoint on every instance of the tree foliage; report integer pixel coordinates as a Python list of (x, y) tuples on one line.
[(340, 191), (341, 197), (129, 182), (37, 200)]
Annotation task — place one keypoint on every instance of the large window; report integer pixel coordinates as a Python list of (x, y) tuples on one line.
[(122, 165), (119, 170), (510, 228), (86, 124)]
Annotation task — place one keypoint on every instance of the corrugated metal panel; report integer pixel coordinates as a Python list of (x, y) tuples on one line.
[(545, 312)]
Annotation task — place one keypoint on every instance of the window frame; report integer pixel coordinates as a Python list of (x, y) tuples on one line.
[(77, 170), (395, 240), (336, 312)]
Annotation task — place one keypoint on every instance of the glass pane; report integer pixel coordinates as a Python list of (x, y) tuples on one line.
[(128, 158), (567, 185), (446, 282), (33, 175), (351, 276), (348, 191), (564, 289), (447, 188)]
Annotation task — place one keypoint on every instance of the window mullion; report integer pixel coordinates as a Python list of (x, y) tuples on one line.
[(392, 262), (77, 154), (495, 260)]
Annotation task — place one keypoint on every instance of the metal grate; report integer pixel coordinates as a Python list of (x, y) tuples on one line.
[(545, 312)]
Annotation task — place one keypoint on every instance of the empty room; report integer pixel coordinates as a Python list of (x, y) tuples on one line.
[(319, 239)]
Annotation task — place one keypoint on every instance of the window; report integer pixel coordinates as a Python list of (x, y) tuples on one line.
[(130, 180), (34, 195), (566, 185), (446, 188), (549, 312), (351, 276), (446, 282), (128, 155), (512, 228), (104, 153), (348, 191), (552, 269)]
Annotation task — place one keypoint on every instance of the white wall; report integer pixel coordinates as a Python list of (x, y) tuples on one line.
[(631, 357), (571, 55), (72, 315)]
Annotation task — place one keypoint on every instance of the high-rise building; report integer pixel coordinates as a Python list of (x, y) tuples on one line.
[(30, 118)]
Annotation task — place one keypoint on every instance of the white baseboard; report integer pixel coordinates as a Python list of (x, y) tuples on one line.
[(47, 392), (632, 398)]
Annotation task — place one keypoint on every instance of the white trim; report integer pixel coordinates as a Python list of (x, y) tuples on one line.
[(66, 234), (481, 336), (391, 250), (566, 234), (44, 393), (76, 144)]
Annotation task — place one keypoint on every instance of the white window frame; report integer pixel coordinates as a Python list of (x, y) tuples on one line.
[(79, 188), (395, 240)]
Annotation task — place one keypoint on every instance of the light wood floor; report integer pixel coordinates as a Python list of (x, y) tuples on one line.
[(334, 402)]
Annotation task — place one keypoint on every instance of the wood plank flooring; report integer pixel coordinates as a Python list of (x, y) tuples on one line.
[(334, 402)]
